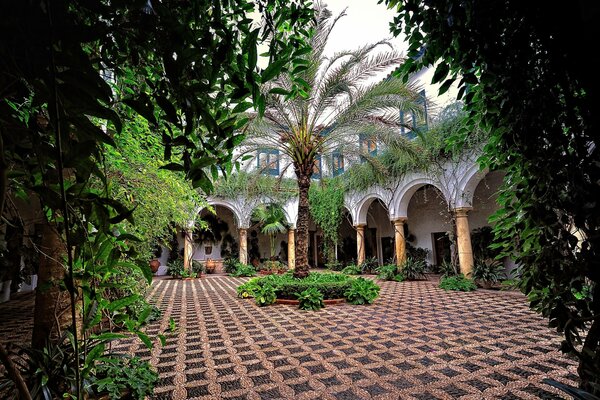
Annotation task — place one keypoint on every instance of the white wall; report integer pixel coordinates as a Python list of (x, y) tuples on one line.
[(427, 213)]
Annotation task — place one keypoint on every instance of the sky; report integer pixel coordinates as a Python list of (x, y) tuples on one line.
[(366, 22)]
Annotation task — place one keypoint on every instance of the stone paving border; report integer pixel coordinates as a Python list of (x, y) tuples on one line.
[(415, 342)]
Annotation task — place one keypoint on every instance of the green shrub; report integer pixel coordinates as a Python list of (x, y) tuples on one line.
[(334, 265), (229, 265), (265, 295), (369, 266), (187, 274), (117, 375), (248, 289), (310, 299), (387, 272), (352, 270), (198, 268), (448, 269), (243, 270), (175, 268), (413, 269), (331, 285), (489, 271), (273, 266), (399, 278), (458, 283), (362, 291)]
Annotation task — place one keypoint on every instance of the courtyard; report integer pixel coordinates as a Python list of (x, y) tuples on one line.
[(415, 342)]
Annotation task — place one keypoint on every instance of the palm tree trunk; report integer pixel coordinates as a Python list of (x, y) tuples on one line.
[(302, 268)]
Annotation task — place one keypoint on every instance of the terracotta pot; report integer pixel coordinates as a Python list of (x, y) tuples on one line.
[(154, 265), (210, 266)]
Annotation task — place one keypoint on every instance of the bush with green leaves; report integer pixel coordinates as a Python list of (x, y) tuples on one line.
[(387, 272), (175, 268), (334, 265), (331, 285), (488, 271), (198, 268), (362, 291), (414, 269), (265, 295), (448, 269), (243, 270), (310, 299), (369, 266), (248, 289), (115, 376), (273, 266), (458, 283), (352, 270), (229, 264)]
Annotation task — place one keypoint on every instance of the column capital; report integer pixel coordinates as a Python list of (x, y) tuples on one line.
[(399, 220), (462, 211), (291, 228), (360, 226)]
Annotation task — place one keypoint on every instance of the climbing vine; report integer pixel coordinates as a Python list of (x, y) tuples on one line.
[(326, 202), (252, 185)]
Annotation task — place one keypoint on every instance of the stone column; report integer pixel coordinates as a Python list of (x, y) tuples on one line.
[(188, 250), (360, 243), (291, 248), (463, 241), (243, 245), (400, 240)]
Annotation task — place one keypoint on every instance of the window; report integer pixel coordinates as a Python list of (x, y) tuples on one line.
[(268, 162), (368, 145), (337, 163), (317, 167)]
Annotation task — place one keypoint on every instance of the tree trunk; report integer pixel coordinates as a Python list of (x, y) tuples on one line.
[(51, 314), (302, 268)]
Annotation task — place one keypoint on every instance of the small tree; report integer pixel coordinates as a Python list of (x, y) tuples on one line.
[(271, 220)]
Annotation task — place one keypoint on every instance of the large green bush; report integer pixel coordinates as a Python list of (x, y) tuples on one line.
[(331, 285), (362, 291)]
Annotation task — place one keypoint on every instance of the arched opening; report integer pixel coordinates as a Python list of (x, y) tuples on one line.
[(267, 236), (428, 226), (485, 204), (379, 234), (346, 249), (216, 237)]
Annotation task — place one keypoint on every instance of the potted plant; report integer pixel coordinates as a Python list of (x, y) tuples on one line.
[(271, 220), (210, 266), (488, 272)]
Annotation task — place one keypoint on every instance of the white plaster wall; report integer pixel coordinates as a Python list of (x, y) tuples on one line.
[(484, 200), (422, 79), (427, 213)]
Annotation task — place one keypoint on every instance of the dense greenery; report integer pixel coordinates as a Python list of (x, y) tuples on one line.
[(522, 79), (190, 69), (255, 185), (457, 283), (326, 203), (162, 200), (310, 291), (243, 270), (362, 291)]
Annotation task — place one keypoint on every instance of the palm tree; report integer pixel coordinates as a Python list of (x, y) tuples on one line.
[(336, 102), (271, 220)]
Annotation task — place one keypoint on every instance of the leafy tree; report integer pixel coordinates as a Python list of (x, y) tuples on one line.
[(162, 200), (189, 68), (334, 102), (271, 220), (522, 78)]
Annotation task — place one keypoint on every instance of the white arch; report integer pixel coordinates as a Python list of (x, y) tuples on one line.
[(359, 217), (408, 190), (467, 185), (231, 206)]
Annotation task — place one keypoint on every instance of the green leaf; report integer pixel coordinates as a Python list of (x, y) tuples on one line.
[(273, 70)]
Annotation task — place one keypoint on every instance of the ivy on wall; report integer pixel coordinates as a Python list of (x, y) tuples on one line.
[(326, 202)]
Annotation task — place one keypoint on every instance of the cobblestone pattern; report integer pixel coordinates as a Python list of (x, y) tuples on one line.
[(415, 342)]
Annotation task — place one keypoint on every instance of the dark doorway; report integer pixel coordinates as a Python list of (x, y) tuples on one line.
[(387, 250), (441, 248)]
